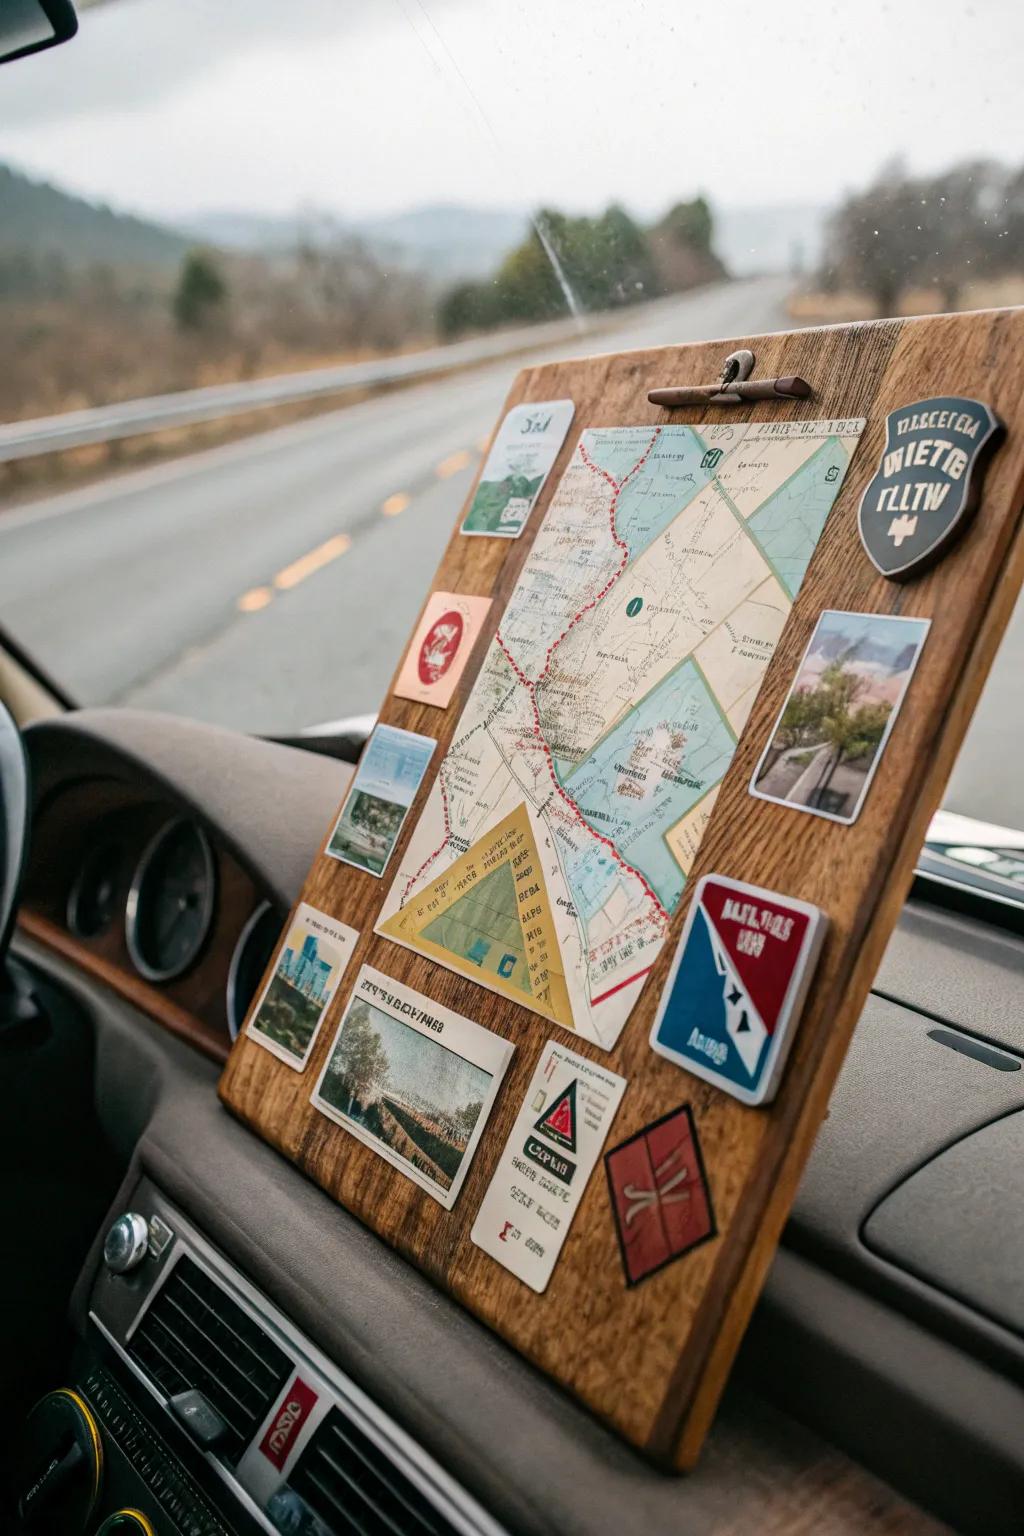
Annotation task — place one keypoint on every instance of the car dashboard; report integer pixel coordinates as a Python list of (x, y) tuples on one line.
[(265, 1363)]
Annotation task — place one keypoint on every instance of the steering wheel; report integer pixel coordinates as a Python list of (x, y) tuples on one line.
[(14, 822)]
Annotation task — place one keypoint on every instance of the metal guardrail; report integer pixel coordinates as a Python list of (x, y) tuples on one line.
[(134, 418)]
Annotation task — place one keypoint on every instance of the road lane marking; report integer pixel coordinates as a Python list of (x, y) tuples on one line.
[(482, 445), (306, 565), (452, 464), (255, 599), (395, 504)]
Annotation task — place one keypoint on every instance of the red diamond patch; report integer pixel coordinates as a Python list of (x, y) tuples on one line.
[(659, 1193)]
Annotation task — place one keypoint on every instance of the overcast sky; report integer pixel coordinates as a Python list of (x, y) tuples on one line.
[(170, 107)]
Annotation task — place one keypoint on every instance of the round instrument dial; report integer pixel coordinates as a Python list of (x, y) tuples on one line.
[(92, 899), (252, 954), (171, 901)]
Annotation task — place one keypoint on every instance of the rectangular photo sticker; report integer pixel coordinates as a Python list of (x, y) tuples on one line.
[(553, 1148), (412, 1080), (314, 951), (390, 772), (440, 647), (830, 735), (526, 446)]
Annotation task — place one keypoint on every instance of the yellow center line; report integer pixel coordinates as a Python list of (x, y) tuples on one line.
[(306, 565), (481, 446), (255, 599), (395, 504), (452, 464)]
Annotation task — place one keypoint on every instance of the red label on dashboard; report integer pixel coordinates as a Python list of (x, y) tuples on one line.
[(284, 1427)]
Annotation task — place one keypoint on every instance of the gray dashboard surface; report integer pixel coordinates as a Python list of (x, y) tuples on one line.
[(944, 1221), (890, 1365), (536, 1460), (234, 782)]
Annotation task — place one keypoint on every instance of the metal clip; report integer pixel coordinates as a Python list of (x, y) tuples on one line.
[(734, 386)]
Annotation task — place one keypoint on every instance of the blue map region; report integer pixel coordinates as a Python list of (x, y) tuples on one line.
[(671, 478), (789, 524), (664, 756)]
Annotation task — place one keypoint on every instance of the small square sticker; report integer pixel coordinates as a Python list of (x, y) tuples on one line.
[(441, 647), (737, 984), (660, 1196)]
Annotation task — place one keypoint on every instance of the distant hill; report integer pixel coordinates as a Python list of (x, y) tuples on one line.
[(38, 218), (445, 241), (448, 240), (452, 241)]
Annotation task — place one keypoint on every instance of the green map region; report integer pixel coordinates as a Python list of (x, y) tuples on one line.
[(483, 928), (488, 514), (789, 524)]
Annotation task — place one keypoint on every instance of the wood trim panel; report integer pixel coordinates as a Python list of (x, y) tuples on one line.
[(132, 988), (106, 812)]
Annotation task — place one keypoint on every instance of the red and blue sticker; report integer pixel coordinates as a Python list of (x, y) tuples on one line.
[(737, 984)]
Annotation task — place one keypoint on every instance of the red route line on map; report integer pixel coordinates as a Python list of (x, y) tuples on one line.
[(617, 487), (619, 986)]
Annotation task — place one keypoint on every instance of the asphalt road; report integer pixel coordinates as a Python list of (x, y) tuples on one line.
[(272, 583)]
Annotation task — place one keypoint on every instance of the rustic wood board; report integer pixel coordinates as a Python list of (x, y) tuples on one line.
[(652, 1360)]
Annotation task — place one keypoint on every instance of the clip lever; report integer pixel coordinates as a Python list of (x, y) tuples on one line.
[(734, 386)]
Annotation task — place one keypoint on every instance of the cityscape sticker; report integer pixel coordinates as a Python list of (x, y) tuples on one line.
[(659, 1193), (841, 708), (557, 836), (520, 460), (547, 1161), (390, 772), (412, 1080), (737, 984), (310, 963), (440, 647)]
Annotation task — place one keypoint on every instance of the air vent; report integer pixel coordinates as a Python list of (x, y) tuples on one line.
[(352, 1486), (194, 1335)]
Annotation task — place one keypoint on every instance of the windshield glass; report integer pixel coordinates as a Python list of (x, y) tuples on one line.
[(198, 196)]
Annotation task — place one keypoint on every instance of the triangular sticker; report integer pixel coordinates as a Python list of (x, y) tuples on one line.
[(488, 917), (764, 974), (558, 1123)]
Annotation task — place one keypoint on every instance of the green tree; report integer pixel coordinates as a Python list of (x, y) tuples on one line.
[(467, 1117), (690, 224), (360, 1062), (923, 231), (800, 725), (202, 292), (852, 735)]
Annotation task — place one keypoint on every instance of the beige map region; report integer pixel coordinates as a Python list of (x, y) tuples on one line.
[(611, 699)]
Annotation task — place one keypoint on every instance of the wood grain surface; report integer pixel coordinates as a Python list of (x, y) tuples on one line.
[(652, 1360)]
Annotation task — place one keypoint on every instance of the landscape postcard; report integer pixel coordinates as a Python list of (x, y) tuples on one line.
[(834, 725), (413, 1080)]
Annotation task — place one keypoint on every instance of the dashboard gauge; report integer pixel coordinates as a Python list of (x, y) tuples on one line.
[(170, 903), (251, 957), (93, 895)]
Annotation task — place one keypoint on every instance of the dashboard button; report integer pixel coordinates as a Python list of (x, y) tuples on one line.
[(199, 1417), (160, 1236), (126, 1243)]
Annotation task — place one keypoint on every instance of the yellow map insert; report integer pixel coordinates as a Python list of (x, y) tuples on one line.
[(489, 918)]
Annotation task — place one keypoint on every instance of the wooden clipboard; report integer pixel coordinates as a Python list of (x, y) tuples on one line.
[(651, 1360)]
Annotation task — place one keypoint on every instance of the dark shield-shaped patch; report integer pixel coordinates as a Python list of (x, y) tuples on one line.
[(926, 487)]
